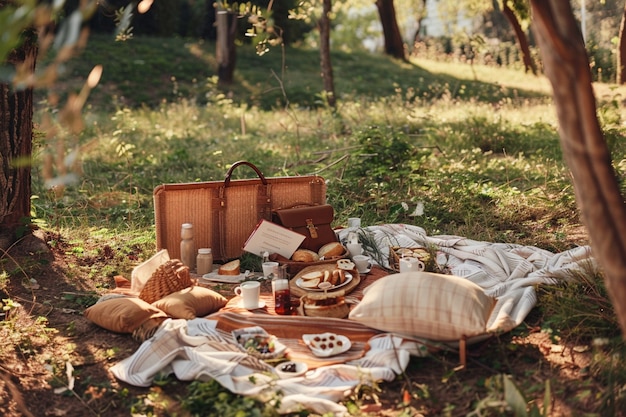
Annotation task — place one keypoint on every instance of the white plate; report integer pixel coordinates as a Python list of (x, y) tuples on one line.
[(326, 344), (261, 305), (227, 279), (301, 369), (367, 271), (334, 287), (241, 336)]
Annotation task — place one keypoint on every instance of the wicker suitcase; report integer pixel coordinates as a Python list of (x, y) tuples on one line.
[(224, 213)]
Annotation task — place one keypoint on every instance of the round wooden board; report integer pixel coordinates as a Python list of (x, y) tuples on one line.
[(299, 292)]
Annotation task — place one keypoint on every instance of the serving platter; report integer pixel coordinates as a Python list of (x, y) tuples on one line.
[(257, 342), (299, 283), (327, 344)]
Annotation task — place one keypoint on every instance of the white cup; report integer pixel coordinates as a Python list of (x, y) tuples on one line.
[(362, 263), (354, 249), (411, 265), (354, 222), (270, 268), (250, 292)]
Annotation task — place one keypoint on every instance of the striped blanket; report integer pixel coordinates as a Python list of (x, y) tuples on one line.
[(204, 348)]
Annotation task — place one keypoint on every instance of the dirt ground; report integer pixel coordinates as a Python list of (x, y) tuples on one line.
[(34, 359)]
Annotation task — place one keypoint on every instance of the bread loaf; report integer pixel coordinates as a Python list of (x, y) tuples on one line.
[(305, 255), (230, 268), (331, 250)]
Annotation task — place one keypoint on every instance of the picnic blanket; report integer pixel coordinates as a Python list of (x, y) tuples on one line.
[(508, 272), (203, 348)]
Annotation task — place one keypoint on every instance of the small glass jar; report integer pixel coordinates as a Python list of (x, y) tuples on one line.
[(204, 261)]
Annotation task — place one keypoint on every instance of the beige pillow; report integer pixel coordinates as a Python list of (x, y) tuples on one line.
[(122, 314), (191, 302), (427, 305)]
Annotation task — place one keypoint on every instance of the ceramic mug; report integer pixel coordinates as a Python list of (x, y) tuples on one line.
[(354, 249), (269, 268), (362, 263), (250, 292), (411, 265)]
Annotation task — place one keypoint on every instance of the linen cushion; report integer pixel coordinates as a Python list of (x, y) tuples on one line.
[(427, 305), (122, 314), (191, 303)]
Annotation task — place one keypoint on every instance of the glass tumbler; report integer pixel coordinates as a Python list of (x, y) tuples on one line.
[(282, 294)]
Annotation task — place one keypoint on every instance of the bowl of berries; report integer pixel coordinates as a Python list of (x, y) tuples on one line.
[(291, 369), (257, 342)]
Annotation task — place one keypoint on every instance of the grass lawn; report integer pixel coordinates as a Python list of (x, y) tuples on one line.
[(476, 146)]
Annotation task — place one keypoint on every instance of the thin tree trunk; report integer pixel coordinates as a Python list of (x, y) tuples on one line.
[(586, 153), (16, 131), (621, 51), (394, 46), (226, 52), (326, 65), (529, 64)]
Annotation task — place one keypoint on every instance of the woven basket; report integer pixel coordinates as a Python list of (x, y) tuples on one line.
[(421, 253), (337, 308), (294, 267), (168, 278)]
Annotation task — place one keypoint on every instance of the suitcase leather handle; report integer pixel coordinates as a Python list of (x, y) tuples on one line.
[(229, 173)]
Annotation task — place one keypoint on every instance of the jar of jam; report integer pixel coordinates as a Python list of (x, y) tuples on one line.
[(204, 261)]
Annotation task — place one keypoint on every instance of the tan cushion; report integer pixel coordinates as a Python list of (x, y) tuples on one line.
[(423, 304), (191, 303), (122, 314)]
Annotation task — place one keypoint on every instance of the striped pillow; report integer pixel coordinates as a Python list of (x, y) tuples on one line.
[(427, 305)]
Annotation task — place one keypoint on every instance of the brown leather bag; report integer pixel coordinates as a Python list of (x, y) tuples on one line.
[(312, 221)]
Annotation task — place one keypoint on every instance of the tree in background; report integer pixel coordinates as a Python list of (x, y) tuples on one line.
[(584, 148), (394, 45), (225, 48), (29, 30), (325, 61), (16, 134), (511, 10), (621, 50)]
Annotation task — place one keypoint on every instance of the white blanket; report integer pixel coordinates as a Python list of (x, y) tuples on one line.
[(505, 271), (195, 350)]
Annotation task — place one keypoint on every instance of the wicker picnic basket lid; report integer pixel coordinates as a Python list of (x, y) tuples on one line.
[(168, 278)]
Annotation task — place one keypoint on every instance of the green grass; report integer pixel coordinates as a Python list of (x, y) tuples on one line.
[(477, 146)]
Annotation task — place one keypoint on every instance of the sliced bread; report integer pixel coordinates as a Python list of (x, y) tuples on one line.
[(230, 268)]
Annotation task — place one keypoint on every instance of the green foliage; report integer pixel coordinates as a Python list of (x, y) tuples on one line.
[(425, 144), (578, 307), (210, 399)]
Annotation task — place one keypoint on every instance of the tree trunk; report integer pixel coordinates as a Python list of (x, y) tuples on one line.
[(327, 68), (621, 51), (584, 148), (16, 132), (529, 64), (226, 52), (394, 46)]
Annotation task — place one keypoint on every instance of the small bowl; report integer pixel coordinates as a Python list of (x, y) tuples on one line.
[(300, 369)]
